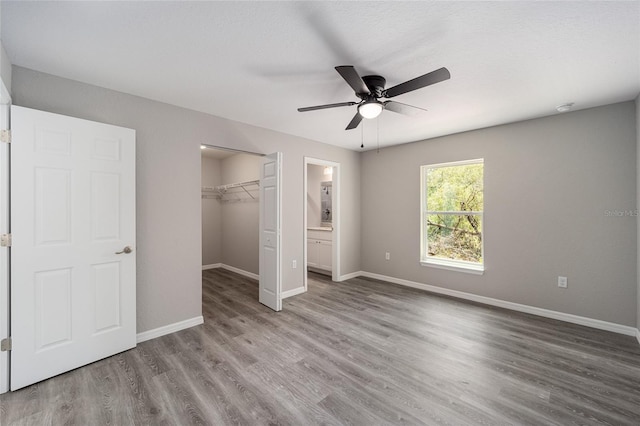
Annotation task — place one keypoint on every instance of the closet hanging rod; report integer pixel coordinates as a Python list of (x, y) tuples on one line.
[(223, 192), (238, 185), (231, 185)]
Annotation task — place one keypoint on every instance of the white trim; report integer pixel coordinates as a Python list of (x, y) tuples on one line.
[(638, 335), (455, 163), (5, 279), (293, 292), (240, 271), (168, 329), (305, 182), (320, 271), (575, 319), (211, 266), (350, 275), (454, 212), (453, 265)]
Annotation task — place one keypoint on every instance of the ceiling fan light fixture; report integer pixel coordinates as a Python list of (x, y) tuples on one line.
[(370, 109)]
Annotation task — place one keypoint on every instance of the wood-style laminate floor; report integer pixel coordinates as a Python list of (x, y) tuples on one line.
[(360, 352)]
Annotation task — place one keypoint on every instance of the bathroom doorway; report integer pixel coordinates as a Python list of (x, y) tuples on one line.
[(321, 218)]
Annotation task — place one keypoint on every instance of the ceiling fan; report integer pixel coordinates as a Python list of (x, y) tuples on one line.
[(370, 89)]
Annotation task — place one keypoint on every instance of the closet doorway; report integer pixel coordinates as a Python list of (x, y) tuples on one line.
[(241, 217), (321, 218), (230, 210)]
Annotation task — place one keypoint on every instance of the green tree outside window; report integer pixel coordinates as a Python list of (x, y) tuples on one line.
[(453, 211)]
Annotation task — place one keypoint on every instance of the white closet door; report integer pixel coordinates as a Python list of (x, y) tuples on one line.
[(270, 224), (72, 211)]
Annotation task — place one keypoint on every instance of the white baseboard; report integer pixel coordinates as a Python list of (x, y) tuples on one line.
[(212, 266), (240, 271), (294, 292), (575, 319), (168, 329), (232, 269), (349, 276)]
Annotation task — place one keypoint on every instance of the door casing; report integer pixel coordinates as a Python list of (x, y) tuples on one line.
[(5, 149)]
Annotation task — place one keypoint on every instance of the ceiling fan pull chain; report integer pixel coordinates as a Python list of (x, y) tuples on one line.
[(378, 134)]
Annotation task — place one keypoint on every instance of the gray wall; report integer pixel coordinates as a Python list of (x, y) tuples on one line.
[(211, 213), (548, 184), (240, 220), (573, 167), (315, 175), (168, 186)]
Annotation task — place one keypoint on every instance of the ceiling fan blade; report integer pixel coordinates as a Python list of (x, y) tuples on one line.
[(418, 83), (355, 121), (405, 109), (313, 108), (354, 80)]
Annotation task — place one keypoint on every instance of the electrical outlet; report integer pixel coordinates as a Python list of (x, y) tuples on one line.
[(294, 264), (562, 282), (387, 256)]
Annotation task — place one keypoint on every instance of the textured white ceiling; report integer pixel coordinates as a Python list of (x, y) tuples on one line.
[(256, 62)]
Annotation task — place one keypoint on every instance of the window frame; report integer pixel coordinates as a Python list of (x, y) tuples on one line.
[(438, 262)]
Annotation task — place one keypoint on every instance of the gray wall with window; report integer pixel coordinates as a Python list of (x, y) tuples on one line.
[(554, 188)]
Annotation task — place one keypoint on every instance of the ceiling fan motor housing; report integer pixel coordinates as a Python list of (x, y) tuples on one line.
[(375, 83)]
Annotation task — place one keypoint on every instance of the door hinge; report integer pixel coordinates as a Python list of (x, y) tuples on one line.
[(5, 344), (5, 240), (5, 136)]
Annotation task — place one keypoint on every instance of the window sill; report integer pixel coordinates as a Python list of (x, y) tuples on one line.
[(454, 266)]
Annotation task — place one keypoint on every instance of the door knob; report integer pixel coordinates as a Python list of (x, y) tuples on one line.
[(125, 250)]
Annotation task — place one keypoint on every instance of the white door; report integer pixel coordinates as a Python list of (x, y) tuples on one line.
[(270, 223), (73, 284)]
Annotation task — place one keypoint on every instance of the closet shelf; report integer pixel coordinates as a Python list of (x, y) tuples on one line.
[(233, 192)]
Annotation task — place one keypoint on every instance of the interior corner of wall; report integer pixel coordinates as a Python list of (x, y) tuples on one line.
[(5, 68)]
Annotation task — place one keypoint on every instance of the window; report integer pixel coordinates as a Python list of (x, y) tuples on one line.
[(452, 207)]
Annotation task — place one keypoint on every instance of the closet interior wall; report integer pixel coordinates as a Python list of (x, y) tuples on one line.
[(211, 213), (230, 229)]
